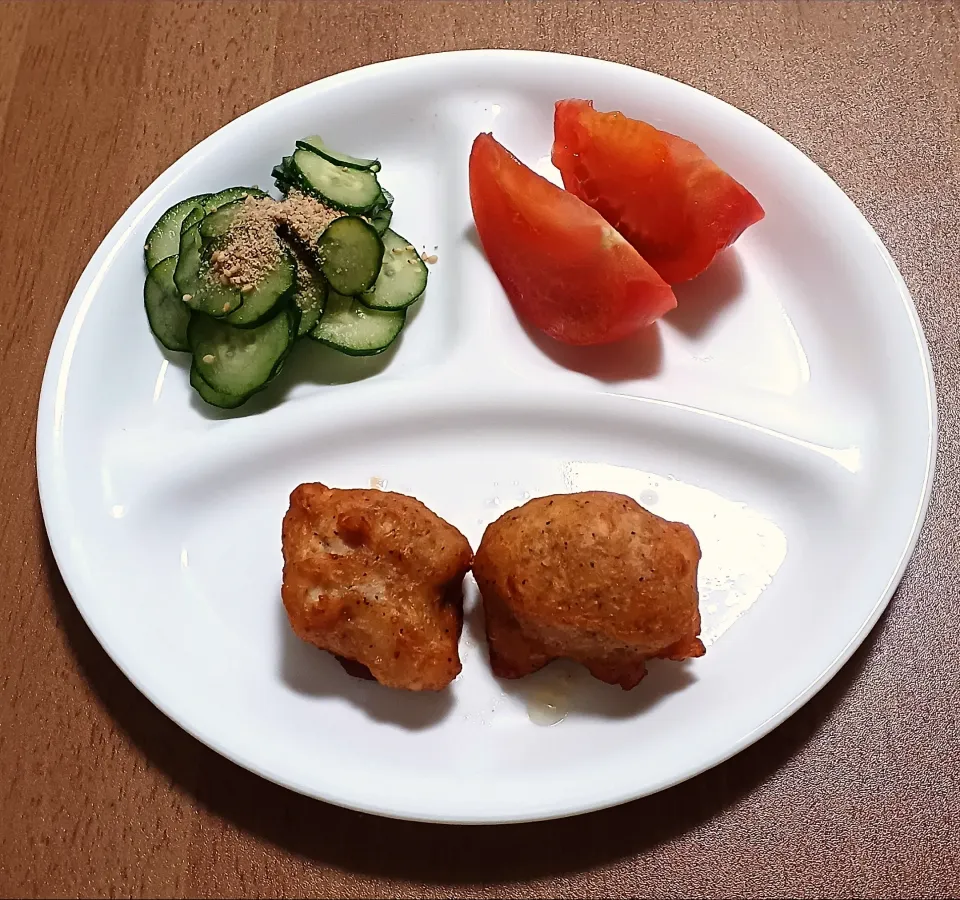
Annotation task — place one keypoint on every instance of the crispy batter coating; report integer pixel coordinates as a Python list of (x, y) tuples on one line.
[(375, 578), (593, 577)]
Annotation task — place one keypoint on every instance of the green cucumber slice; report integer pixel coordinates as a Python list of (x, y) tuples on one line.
[(213, 202), (272, 288), (351, 190), (310, 289), (167, 314), (199, 228), (228, 195), (310, 295), (315, 144), (237, 362), (285, 176), (192, 219), (214, 398), (217, 222), (205, 293), (164, 238), (192, 277), (350, 253), (402, 278), (380, 220), (350, 327)]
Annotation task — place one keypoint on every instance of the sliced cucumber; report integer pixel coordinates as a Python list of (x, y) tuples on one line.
[(205, 293), (352, 190), (310, 295), (272, 288), (167, 313), (196, 287), (228, 195), (217, 222), (192, 219), (214, 398), (213, 202), (387, 197), (350, 253), (310, 290), (164, 238), (402, 278), (315, 144), (380, 220), (350, 327), (237, 362), (285, 175)]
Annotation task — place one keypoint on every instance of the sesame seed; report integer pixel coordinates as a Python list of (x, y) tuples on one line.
[(187, 298), (209, 358), (246, 289), (226, 307)]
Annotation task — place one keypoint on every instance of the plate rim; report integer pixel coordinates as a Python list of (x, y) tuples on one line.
[(51, 400)]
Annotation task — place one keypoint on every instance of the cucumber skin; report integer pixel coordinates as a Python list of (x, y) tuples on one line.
[(292, 312), (187, 279), (229, 195), (315, 145), (213, 397), (306, 187), (203, 202), (151, 255), (354, 353), (333, 278), (381, 219), (266, 314), (168, 306), (393, 240)]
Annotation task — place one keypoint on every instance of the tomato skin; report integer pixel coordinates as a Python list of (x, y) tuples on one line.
[(564, 269), (661, 192)]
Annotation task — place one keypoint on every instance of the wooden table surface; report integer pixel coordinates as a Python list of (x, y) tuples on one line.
[(858, 794)]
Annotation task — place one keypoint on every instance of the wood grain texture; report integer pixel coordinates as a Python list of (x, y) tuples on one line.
[(858, 794)]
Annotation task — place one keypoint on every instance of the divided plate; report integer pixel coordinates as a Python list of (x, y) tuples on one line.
[(785, 411)]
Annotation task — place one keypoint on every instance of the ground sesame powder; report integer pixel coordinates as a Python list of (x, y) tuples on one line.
[(251, 246), (305, 216)]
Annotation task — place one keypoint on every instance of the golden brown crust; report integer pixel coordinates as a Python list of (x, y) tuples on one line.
[(593, 577), (375, 578)]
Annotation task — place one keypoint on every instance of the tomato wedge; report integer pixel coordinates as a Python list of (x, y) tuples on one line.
[(661, 192), (565, 270)]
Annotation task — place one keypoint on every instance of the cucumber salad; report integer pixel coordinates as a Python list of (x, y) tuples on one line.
[(235, 278)]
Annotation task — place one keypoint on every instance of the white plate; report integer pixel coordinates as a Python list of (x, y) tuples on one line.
[(785, 411)]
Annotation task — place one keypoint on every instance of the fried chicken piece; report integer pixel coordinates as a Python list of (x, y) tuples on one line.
[(375, 578), (592, 577)]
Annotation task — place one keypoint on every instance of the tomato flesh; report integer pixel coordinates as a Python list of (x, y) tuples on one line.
[(661, 192), (563, 267)]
